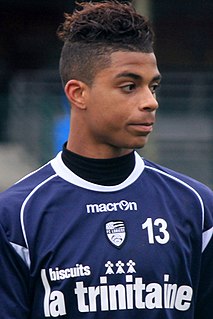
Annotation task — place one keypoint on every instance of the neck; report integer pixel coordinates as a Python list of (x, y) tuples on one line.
[(97, 151), (111, 171)]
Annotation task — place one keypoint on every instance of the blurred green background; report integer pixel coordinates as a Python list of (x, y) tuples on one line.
[(34, 112)]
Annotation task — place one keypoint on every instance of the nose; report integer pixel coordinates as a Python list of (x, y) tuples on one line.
[(148, 101)]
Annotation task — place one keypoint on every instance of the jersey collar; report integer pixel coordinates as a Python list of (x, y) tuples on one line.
[(65, 173)]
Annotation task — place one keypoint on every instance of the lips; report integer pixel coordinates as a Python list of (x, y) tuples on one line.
[(146, 127)]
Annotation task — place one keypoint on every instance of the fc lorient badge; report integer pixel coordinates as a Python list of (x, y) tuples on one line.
[(116, 232)]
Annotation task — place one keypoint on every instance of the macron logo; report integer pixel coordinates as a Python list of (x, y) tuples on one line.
[(111, 207)]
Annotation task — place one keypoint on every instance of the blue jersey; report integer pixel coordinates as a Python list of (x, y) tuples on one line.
[(73, 249)]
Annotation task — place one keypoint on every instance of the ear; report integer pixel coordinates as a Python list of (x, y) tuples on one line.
[(75, 91)]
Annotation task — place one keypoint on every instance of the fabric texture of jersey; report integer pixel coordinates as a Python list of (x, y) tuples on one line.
[(73, 249)]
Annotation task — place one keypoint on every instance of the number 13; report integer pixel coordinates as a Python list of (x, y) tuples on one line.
[(162, 228)]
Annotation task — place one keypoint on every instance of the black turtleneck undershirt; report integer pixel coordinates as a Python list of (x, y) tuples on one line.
[(106, 172)]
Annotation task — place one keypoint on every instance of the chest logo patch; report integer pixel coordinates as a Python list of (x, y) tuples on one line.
[(116, 232)]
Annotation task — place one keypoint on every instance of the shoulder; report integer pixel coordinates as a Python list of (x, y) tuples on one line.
[(180, 179), (28, 182), (185, 188), (12, 199)]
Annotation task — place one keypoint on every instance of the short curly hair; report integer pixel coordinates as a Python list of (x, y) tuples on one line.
[(94, 31)]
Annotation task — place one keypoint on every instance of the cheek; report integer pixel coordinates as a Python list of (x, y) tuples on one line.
[(109, 109), (107, 121), (113, 115)]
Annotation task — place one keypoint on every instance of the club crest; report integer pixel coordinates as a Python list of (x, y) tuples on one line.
[(116, 232)]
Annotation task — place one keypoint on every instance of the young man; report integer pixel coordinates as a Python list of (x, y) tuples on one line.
[(99, 232)]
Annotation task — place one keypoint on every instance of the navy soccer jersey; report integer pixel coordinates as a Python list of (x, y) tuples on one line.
[(73, 249)]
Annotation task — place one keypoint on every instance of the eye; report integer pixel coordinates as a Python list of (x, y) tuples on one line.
[(154, 87), (128, 87)]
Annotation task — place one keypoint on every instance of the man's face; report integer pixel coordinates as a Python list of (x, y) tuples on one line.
[(121, 104)]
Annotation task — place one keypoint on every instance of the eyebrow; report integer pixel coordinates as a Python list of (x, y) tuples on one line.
[(135, 76)]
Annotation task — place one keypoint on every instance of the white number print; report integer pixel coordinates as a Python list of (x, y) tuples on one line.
[(159, 223)]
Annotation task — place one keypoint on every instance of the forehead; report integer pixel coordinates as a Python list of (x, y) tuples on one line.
[(143, 64)]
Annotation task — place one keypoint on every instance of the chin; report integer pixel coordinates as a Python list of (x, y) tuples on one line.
[(140, 144), (133, 144), (138, 147)]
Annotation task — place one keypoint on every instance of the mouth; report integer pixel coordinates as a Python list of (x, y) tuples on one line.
[(145, 128)]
